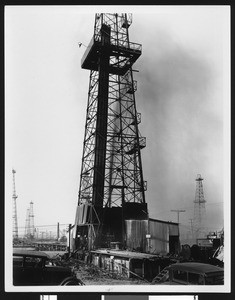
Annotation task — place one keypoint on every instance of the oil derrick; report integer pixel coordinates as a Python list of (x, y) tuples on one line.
[(26, 233), (199, 210), (14, 197), (31, 221), (112, 188), (29, 224)]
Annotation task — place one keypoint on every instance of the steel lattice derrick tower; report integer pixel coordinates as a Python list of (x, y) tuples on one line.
[(14, 197), (111, 172), (27, 233), (29, 223), (31, 220), (199, 209)]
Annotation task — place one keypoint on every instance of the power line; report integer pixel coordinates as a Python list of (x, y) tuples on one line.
[(46, 225)]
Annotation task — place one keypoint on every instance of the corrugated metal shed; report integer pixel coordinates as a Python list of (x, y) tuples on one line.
[(136, 231), (162, 235), (159, 241)]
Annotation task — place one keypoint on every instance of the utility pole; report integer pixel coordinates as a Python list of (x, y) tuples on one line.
[(178, 211)]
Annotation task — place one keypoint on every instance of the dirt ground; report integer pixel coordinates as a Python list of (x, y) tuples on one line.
[(91, 276)]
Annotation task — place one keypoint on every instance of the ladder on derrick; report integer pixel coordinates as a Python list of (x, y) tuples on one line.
[(161, 277)]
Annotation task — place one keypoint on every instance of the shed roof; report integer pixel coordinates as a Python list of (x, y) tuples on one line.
[(125, 254), (166, 222)]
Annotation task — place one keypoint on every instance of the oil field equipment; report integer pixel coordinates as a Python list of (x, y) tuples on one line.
[(112, 187)]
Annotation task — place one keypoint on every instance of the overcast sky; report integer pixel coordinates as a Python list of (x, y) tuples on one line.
[(183, 96)]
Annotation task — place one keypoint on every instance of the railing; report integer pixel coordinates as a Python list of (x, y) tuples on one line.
[(118, 42)]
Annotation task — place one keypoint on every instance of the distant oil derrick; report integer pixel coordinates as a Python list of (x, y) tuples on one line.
[(29, 223), (14, 197), (199, 210), (112, 188)]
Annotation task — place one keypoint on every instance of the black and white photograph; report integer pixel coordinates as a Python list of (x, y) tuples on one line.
[(117, 149)]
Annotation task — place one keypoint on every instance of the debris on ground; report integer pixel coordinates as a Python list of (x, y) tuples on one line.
[(93, 275)]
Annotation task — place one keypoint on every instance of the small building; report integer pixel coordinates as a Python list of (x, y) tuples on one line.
[(129, 264), (148, 245), (152, 236), (164, 237)]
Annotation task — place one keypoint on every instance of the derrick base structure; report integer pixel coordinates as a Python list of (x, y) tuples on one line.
[(129, 218)]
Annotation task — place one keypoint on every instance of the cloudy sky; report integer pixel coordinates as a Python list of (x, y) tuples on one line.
[(183, 97)]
